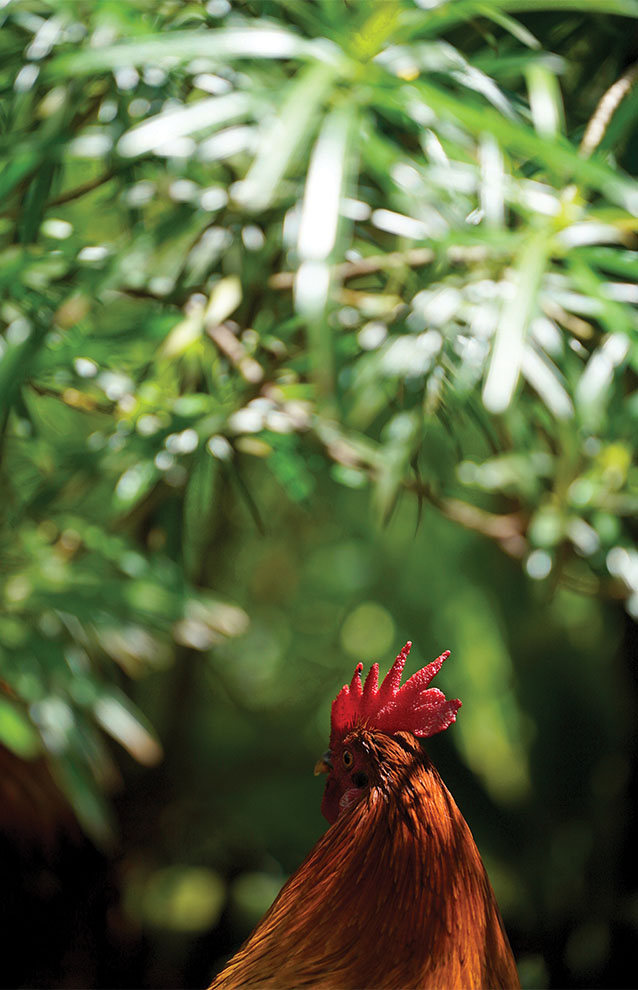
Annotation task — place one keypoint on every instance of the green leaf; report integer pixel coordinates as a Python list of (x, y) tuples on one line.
[(318, 229), (451, 12), (201, 116), (23, 161), (117, 716), (519, 308), (400, 440), (15, 360), (288, 131), (199, 502), (17, 732), (89, 805), (545, 100), (515, 28), (33, 207), (256, 41), (320, 211)]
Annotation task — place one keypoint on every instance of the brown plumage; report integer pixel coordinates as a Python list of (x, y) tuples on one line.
[(394, 895)]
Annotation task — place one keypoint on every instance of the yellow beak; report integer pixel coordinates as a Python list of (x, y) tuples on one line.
[(323, 764)]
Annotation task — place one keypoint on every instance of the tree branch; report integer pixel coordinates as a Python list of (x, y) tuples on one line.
[(415, 258), (82, 190), (607, 106), (508, 529)]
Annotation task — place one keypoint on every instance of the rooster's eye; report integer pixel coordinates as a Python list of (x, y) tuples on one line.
[(347, 759)]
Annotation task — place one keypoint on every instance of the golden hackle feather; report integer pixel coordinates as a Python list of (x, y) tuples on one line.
[(394, 895)]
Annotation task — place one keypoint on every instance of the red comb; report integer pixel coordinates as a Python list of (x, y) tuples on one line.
[(390, 708)]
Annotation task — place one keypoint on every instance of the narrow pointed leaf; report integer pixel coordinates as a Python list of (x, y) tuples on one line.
[(509, 341), (284, 135)]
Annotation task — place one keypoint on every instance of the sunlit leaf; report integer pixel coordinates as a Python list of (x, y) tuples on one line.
[(115, 714), (254, 41), (281, 137), (320, 211), (597, 377), (544, 377), (545, 101), (169, 125), (223, 301), (518, 309), (492, 182)]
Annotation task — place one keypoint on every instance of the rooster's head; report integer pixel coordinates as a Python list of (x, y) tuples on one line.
[(363, 714)]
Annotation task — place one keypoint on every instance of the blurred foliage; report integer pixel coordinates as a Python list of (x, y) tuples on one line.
[(265, 266)]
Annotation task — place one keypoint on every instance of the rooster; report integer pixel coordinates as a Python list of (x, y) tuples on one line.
[(394, 895)]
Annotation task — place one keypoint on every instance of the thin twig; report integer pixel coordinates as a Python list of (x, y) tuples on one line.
[(74, 398), (82, 190), (607, 106), (508, 529), (415, 258), (222, 335), (578, 327)]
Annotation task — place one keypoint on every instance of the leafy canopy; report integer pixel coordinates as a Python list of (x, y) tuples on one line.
[(373, 234)]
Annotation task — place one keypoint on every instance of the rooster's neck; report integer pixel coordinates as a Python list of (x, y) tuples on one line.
[(434, 896)]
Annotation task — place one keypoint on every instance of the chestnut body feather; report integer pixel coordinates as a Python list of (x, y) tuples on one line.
[(394, 895)]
